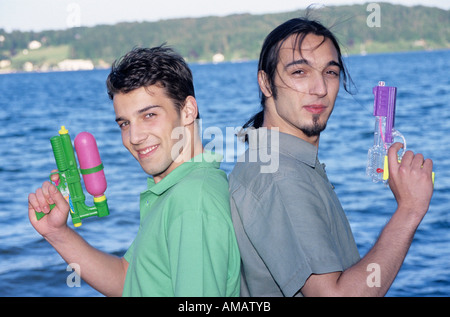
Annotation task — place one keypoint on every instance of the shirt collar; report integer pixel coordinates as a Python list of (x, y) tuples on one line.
[(205, 159), (287, 144)]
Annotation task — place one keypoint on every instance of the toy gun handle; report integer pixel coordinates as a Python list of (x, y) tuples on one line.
[(378, 167)]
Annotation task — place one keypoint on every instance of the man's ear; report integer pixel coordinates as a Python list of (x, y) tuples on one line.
[(190, 111), (264, 84)]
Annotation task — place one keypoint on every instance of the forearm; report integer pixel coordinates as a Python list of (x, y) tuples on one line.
[(381, 263), (104, 272), (387, 256), (411, 183)]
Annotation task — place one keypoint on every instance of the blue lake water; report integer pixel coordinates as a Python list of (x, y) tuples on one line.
[(33, 106)]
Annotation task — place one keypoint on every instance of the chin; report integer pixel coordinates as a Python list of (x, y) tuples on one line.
[(157, 169), (314, 130)]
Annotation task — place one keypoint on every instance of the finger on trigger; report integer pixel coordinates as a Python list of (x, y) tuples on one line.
[(393, 154)]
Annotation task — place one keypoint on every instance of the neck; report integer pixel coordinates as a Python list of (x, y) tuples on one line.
[(191, 147)]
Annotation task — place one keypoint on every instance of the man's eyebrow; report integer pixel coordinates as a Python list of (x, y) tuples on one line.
[(140, 111), (297, 62), (334, 63), (304, 61), (145, 109)]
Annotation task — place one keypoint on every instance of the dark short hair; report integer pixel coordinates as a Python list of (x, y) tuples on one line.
[(270, 50), (143, 67)]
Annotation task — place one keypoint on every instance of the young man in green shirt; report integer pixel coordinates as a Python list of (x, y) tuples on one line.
[(186, 244)]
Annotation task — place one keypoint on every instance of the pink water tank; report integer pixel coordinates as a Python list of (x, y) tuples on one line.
[(90, 164)]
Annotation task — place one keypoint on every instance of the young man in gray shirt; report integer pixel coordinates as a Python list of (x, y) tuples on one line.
[(293, 234)]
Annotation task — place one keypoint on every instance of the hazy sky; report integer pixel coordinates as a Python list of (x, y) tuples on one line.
[(38, 15)]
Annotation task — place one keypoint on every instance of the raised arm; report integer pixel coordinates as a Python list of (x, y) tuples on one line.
[(411, 184), (104, 272)]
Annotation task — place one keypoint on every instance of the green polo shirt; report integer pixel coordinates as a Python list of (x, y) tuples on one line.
[(186, 245)]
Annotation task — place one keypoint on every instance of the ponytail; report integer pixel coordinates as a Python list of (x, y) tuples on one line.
[(256, 121)]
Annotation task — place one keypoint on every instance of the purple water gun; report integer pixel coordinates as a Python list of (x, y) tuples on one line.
[(384, 112)]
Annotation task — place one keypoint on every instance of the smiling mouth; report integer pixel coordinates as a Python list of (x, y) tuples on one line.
[(147, 151)]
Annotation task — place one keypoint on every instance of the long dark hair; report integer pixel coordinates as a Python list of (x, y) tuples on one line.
[(270, 50)]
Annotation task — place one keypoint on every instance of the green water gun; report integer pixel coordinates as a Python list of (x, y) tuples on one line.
[(69, 183)]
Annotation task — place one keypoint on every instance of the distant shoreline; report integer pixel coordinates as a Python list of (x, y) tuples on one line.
[(387, 28), (106, 67)]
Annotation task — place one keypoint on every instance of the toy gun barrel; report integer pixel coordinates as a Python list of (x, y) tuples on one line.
[(384, 107), (69, 176)]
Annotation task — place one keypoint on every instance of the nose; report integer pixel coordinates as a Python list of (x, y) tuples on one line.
[(318, 86), (137, 135)]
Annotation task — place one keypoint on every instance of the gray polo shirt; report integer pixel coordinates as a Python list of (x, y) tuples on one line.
[(289, 222)]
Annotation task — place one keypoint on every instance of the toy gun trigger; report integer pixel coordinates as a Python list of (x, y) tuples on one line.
[(396, 133), (50, 176)]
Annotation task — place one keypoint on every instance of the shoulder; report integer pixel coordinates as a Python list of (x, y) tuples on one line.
[(204, 190), (286, 172), (292, 190), (211, 180)]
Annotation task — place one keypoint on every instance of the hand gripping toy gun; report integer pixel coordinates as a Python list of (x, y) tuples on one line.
[(69, 183), (384, 112)]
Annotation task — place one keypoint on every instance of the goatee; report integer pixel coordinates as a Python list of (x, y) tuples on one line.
[(315, 129)]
